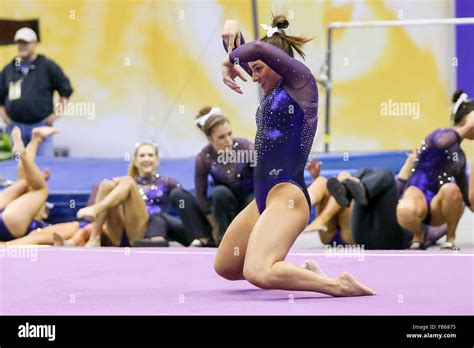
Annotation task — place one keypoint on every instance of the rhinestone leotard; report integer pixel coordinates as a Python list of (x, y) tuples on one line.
[(286, 120), (440, 160)]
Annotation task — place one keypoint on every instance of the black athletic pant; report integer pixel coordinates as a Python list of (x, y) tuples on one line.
[(194, 220), (226, 205), (191, 223), (375, 225), (167, 226)]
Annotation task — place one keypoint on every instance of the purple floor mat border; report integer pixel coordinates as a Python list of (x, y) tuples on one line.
[(178, 281)]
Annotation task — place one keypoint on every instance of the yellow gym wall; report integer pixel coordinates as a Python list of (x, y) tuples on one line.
[(149, 66)]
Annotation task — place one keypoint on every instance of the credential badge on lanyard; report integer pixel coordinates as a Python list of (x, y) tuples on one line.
[(14, 90)]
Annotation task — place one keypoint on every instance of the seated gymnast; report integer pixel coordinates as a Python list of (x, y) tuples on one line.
[(371, 196), (131, 210), (437, 190), (22, 204), (233, 180), (67, 234)]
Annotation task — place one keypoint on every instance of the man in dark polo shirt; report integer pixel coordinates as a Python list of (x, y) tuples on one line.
[(27, 86)]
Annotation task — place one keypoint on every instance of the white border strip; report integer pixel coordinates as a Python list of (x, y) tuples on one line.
[(333, 255), (408, 22)]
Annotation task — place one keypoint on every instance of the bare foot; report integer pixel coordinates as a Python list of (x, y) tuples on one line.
[(312, 266), (87, 213), (18, 145), (351, 287), (93, 242), (58, 239), (316, 226), (43, 132)]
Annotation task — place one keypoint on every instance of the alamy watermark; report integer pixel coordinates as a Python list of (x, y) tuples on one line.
[(345, 251), (19, 252), (76, 109), (28, 330), (237, 156), (400, 109)]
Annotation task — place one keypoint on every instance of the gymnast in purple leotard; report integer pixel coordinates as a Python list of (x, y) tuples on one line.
[(123, 205), (286, 120), (230, 162), (438, 187), (6, 235), (22, 205), (258, 240)]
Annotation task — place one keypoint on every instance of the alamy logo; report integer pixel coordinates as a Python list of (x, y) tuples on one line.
[(237, 156), (80, 109), (403, 109), (275, 172), (37, 331)]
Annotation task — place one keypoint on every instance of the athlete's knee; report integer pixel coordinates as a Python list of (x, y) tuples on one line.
[(320, 180), (177, 193), (107, 185), (408, 210), (343, 176), (386, 175), (222, 199), (128, 180), (451, 193), (229, 272), (221, 192), (129, 184), (258, 275), (261, 280)]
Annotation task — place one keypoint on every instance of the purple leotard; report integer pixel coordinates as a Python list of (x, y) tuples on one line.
[(155, 191), (236, 174), (6, 235), (286, 120), (440, 160)]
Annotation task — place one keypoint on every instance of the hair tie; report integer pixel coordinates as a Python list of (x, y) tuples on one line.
[(213, 112), (269, 29), (462, 98)]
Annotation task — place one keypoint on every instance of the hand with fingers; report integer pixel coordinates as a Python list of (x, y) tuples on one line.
[(230, 72), (231, 34), (411, 156), (314, 168), (407, 168)]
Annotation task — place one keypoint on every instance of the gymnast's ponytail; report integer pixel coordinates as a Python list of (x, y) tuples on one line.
[(280, 39), (462, 106)]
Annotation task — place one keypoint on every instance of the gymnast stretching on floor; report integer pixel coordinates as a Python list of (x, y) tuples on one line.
[(333, 220), (74, 233), (154, 191), (258, 240), (22, 205), (371, 197), (435, 192)]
